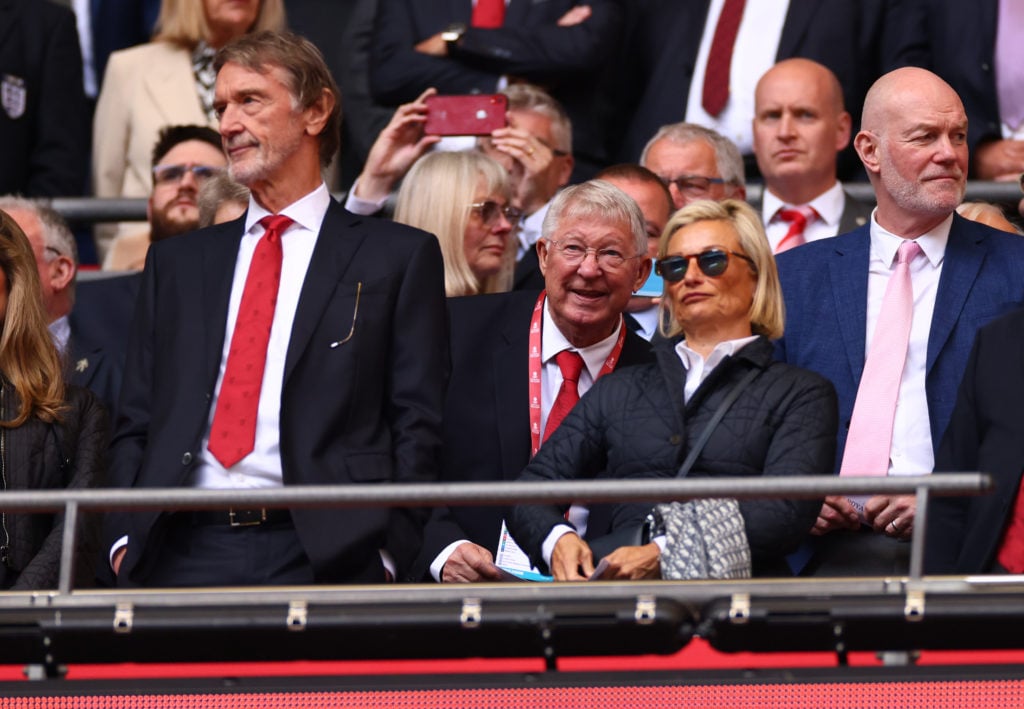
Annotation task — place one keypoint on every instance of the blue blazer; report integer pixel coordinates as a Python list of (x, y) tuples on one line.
[(825, 287)]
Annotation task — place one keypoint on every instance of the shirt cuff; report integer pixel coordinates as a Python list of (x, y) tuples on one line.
[(557, 532), (441, 559), (118, 546), (362, 207)]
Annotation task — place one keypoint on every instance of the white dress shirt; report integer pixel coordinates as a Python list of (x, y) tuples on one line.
[(911, 452), (529, 231), (757, 43), (698, 369), (829, 205)]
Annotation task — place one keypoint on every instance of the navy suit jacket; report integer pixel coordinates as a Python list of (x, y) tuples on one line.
[(44, 117), (825, 287), (367, 410), (486, 432), (986, 434)]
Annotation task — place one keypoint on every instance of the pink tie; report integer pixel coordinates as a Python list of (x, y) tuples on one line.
[(571, 365), (798, 219), (233, 431), (870, 439)]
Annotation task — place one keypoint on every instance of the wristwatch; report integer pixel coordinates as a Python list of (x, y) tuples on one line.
[(453, 32)]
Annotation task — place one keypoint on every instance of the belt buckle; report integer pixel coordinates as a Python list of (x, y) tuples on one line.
[(247, 518)]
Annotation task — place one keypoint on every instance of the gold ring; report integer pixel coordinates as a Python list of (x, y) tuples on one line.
[(530, 151)]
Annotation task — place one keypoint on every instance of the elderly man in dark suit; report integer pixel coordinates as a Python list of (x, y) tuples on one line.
[(491, 428), (916, 269), (297, 345)]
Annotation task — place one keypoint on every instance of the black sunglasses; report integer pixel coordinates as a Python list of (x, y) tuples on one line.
[(711, 262)]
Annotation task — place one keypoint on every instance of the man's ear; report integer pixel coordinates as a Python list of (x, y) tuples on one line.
[(317, 114), (844, 127), (542, 255), (643, 272), (565, 172), (62, 272), (866, 145)]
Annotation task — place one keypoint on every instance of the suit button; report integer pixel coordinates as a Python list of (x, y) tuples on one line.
[(676, 440), (186, 459)]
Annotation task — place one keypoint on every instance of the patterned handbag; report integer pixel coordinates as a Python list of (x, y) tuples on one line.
[(705, 539)]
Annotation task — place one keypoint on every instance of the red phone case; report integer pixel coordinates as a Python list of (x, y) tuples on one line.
[(474, 114)]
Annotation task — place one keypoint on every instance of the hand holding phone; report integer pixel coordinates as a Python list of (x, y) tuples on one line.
[(474, 114)]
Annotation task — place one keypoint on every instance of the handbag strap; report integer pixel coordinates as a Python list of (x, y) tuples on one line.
[(727, 402)]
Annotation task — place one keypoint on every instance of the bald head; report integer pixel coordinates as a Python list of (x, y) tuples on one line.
[(909, 86), (913, 143), (800, 125)]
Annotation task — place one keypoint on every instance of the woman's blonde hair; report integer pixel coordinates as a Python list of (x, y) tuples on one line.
[(767, 310), (28, 357), (183, 22), (436, 196)]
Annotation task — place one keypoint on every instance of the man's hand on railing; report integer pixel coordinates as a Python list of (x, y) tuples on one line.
[(470, 563)]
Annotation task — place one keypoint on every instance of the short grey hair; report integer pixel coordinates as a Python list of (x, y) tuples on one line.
[(527, 97), (601, 201), (57, 234), (727, 155)]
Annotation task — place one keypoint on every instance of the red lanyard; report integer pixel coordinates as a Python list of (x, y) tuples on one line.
[(536, 364)]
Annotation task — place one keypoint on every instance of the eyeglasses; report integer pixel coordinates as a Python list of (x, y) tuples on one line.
[(693, 185), (711, 262), (488, 212), (574, 253), (172, 174)]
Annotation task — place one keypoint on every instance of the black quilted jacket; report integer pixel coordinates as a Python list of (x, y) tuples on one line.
[(43, 456), (633, 424)]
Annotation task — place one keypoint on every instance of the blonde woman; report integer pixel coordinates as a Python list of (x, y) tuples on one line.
[(52, 435), (463, 199)]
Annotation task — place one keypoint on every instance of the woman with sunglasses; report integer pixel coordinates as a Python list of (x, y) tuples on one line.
[(721, 307), (52, 435), (463, 199)]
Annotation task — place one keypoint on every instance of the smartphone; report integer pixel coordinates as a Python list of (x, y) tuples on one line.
[(473, 114)]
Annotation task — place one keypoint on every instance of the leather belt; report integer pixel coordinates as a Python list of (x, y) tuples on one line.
[(241, 517)]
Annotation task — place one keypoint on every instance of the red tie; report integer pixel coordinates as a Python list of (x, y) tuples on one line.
[(571, 365), (798, 219), (716, 74), (488, 14), (233, 432), (1011, 551)]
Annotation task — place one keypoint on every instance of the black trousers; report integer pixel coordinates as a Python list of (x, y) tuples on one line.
[(200, 554)]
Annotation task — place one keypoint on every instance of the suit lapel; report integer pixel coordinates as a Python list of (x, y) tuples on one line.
[(848, 274), (219, 255), (335, 246), (172, 90), (798, 17), (512, 392), (855, 214), (960, 268), (516, 13)]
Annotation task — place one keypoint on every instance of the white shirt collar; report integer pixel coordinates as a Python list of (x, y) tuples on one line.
[(60, 331), (829, 205), (553, 341), (885, 244), (529, 230), (308, 211), (724, 349)]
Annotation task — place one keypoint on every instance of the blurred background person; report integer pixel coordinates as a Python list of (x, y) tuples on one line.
[(168, 81), (463, 198), (695, 163), (184, 158), (989, 214), (221, 199), (723, 305), (55, 435)]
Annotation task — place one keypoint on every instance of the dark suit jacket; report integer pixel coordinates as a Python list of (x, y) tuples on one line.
[(486, 419), (99, 324), (44, 119), (961, 49), (825, 283), (857, 39), (986, 433), (367, 411), (568, 61)]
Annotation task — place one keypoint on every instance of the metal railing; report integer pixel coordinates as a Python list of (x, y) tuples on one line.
[(73, 502), (87, 210)]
